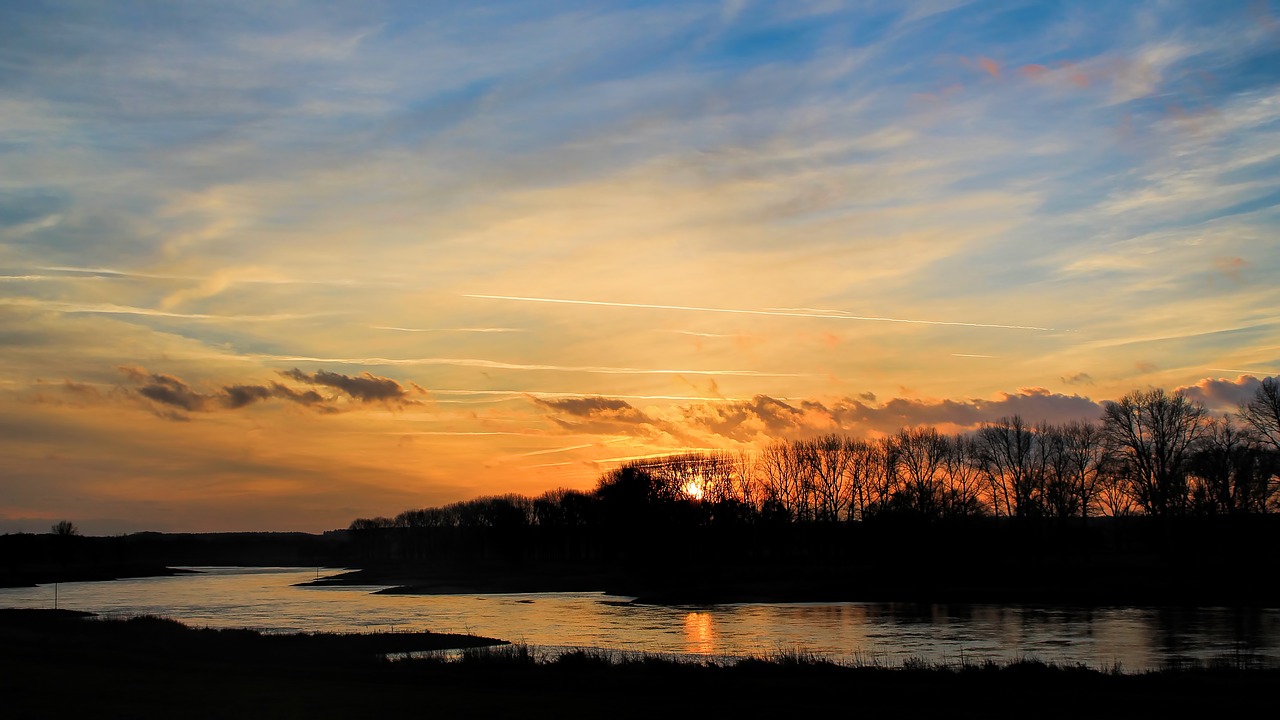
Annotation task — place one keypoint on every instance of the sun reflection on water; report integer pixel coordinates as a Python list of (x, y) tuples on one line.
[(700, 633)]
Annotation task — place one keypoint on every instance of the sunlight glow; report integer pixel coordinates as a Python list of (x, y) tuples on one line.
[(692, 490)]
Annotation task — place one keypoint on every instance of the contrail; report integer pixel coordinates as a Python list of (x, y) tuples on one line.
[(432, 330), (699, 334), (800, 312), (450, 433), (99, 272), (513, 394), (495, 365), (113, 309), (570, 448), (651, 456), (34, 278)]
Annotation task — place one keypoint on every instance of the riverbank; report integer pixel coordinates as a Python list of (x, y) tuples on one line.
[(64, 662), (1136, 581), (33, 575)]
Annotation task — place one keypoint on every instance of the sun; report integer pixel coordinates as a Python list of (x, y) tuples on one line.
[(692, 490)]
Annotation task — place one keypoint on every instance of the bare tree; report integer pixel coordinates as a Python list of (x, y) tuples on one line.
[(963, 477), (1084, 449), (747, 485), (785, 472), (64, 528), (1150, 436), (1053, 463), (921, 454), (1114, 496), (829, 458), (1005, 448), (1231, 472), (718, 478), (1262, 413), (881, 476), (865, 468)]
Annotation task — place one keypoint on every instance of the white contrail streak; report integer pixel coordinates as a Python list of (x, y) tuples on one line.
[(449, 433), (570, 448), (651, 456), (35, 278), (562, 395), (971, 355), (495, 365), (110, 272), (113, 309), (700, 334), (800, 312), (432, 330)]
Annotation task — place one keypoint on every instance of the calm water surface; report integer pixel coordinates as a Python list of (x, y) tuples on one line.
[(264, 598)]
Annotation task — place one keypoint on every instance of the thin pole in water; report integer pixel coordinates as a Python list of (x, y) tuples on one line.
[(55, 596)]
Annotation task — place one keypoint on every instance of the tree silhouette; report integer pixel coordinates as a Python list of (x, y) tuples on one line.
[(1231, 472), (1151, 453), (1005, 449), (1150, 437), (1262, 413), (64, 528)]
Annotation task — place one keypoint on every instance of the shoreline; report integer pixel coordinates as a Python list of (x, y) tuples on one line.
[(1105, 590), (35, 577), (147, 667)]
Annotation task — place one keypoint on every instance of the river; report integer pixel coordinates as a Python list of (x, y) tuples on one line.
[(1134, 638)]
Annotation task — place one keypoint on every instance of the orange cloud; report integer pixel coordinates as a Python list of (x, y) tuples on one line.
[(1230, 266), (1221, 394), (1034, 71)]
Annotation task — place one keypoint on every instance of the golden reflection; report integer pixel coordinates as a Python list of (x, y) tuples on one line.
[(699, 633)]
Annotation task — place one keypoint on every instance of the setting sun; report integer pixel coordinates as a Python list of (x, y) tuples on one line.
[(692, 490)]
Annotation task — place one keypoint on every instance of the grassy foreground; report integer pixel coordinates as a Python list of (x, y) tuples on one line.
[(60, 662)]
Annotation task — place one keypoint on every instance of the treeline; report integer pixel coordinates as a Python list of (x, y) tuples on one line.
[(1156, 501), (1152, 453), (64, 555)]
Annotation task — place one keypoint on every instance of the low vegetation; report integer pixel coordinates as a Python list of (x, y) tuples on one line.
[(147, 667)]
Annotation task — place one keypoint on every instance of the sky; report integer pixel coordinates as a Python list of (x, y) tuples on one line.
[(275, 266)]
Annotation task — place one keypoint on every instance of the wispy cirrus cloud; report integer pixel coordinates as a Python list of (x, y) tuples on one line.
[(777, 312)]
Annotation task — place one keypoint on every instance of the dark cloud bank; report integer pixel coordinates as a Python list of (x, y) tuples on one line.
[(171, 396), (764, 418)]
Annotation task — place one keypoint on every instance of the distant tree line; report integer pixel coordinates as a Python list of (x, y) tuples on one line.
[(1151, 452)]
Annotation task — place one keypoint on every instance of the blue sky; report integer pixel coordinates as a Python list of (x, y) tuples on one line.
[(931, 212)]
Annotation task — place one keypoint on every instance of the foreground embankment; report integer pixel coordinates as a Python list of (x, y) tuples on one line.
[(61, 662)]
